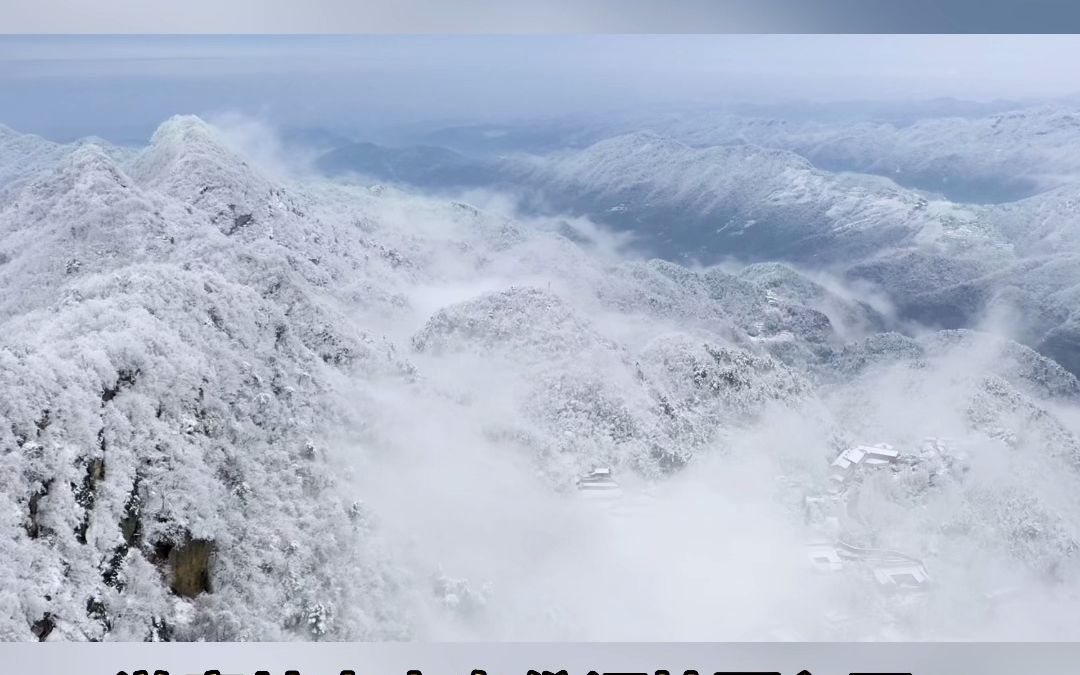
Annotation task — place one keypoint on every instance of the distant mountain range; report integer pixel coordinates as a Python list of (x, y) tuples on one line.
[(729, 187)]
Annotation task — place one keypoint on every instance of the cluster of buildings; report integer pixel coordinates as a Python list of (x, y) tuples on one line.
[(829, 513), (890, 571)]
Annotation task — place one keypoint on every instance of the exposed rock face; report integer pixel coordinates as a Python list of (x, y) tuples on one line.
[(189, 565)]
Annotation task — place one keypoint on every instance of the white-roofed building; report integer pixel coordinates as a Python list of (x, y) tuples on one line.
[(599, 481), (825, 557), (846, 463)]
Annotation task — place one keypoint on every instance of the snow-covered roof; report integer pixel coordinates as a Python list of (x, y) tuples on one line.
[(825, 557), (901, 575), (880, 454), (849, 458)]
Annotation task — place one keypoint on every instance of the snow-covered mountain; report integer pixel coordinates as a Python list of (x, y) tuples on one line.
[(696, 203), (971, 153), (167, 400), (996, 158), (750, 202), (941, 263), (245, 406)]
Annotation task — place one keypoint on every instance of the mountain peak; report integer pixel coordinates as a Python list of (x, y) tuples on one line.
[(85, 171), (184, 142), (189, 159), (183, 127)]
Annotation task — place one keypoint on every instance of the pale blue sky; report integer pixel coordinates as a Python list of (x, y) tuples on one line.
[(121, 87)]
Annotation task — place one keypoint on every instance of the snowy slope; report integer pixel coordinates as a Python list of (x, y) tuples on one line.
[(995, 158), (165, 413), (940, 263), (750, 201)]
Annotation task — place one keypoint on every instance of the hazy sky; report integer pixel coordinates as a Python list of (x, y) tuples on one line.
[(121, 87)]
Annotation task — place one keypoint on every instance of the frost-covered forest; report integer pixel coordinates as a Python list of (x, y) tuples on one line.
[(248, 402)]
